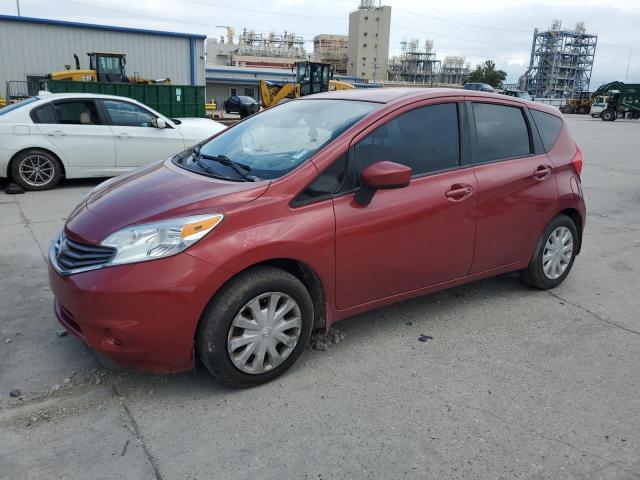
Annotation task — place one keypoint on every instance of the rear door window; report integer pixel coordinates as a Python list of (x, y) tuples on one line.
[(426, 139), (77, 112), (501, 132), (549, 127)]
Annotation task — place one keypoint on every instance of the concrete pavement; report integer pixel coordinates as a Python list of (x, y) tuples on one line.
[(516, 383)]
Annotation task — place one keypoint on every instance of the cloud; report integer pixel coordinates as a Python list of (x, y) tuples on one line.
[(497, 29)]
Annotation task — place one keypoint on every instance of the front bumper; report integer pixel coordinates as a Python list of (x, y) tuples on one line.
[(144, 315)]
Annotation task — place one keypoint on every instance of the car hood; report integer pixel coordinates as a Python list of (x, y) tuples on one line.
[(195, 130), (200, 123), (160, 190)]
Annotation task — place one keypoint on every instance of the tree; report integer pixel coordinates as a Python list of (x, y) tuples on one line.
[(487, 73)]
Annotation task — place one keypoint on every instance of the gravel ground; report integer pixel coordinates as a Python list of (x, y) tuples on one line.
[(490, 380)]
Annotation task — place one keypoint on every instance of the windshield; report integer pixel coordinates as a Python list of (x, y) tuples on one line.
[(109, 65), (19, 104), (274, 142)]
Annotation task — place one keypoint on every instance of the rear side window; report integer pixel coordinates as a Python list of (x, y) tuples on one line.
[(14, 106), (549, 127), (80, 112), (44, 114), (426, 139), (501, 132)]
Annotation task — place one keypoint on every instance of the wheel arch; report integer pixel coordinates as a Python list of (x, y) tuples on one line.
[(26, 149), (575, 216), (303, 272)]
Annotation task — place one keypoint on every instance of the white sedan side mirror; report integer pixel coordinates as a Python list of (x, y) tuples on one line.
[(158, 123)]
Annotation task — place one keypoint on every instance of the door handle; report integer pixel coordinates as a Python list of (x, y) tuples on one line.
[(458, 192), (122, 136), (56, 133), (542, 172)]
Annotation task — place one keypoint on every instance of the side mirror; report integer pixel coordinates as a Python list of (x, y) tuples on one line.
[(158, 123), (382, 175)]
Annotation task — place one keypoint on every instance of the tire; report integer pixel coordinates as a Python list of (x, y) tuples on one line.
[(583, 109), (569, 109), (536, 275), (608, 115), (231, 306), (36, 170)]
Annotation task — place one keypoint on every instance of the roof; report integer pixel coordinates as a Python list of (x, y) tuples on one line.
[(386, 95), (90, 26), (391, 94), (61, 96)]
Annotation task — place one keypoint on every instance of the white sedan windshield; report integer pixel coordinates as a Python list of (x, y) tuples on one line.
[(274, 142)]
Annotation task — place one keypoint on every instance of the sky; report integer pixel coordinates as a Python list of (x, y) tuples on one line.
[(476, 29)]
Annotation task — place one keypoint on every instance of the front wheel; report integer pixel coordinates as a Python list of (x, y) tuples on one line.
[(554, 254), (608, 115), (36, 170), (256, 327)]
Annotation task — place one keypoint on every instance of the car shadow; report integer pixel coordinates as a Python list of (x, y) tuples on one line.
[(377, 323)]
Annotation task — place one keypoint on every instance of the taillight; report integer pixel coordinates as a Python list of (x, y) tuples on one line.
[(576, 163)]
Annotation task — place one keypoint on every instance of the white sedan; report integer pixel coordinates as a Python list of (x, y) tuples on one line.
[(78, 135)]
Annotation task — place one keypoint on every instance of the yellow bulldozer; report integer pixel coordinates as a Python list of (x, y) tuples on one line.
[(106, 67), (311, 77)]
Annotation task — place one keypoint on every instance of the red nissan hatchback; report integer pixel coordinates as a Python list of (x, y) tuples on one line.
[(312, 211)]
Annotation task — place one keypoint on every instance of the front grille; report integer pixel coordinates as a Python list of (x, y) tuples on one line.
[(69, 257)]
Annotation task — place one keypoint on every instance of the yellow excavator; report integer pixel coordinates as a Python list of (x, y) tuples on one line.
[(106, 67), (311, 77)]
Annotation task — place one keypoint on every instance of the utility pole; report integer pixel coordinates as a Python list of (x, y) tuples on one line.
[(18, 6), (626, 77)]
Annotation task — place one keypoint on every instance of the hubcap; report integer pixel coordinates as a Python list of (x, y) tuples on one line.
[(557, 253), (264, 332), (36, 170)]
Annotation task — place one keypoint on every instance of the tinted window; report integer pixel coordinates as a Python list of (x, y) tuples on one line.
[(549, 127), (501, 132), (326, 183), (425, 139), (78, 112), (44, 114), (127, 114)]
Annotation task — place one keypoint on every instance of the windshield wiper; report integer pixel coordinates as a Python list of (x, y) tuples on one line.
[(240, 169)]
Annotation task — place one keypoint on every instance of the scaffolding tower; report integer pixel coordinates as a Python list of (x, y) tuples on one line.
[(561, 62), (415, 65), (271, 45)]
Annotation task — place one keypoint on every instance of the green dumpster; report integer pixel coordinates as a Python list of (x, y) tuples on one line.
[(174, 101)]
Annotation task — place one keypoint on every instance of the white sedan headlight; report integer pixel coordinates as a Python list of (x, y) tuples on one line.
[(149, 241)]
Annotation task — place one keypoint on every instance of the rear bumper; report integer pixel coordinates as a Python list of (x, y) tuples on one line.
[(143, 316)]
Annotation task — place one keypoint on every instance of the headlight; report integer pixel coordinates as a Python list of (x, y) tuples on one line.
[(149, 241)]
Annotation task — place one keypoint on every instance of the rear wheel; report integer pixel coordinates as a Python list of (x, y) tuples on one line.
[(608, 115), (256, 327), (36, 169), (554, 254)]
